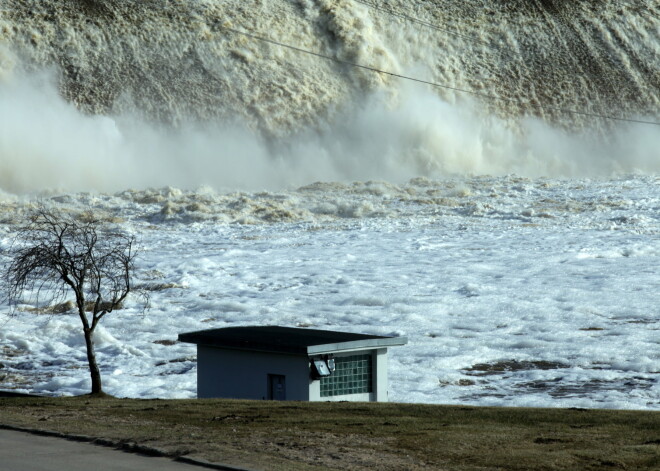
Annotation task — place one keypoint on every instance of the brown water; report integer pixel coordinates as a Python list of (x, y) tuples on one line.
[(302, 117)]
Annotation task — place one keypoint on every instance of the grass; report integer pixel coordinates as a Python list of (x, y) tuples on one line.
[(356, 436)]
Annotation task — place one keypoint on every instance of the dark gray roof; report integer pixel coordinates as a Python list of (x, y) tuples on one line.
[(288, 339)]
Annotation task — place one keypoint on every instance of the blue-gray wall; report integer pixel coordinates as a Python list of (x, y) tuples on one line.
[(244, 374)]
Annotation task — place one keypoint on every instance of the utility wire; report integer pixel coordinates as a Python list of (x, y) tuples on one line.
[(433, 84), (420, 22), (502, 49)]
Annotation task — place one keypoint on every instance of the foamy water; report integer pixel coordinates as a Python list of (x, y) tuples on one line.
[(513, 242), (512, 291), (114, 95)]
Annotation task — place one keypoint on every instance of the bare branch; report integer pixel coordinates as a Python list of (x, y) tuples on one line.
[(55, 254)]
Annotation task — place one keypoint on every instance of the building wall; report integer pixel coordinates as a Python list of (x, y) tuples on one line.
[(244, 374), (380, 376)]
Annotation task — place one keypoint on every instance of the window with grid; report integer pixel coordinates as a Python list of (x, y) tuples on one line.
[(352, 375)]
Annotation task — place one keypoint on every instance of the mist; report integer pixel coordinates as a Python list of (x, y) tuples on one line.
[(46, 143), (126, 95)]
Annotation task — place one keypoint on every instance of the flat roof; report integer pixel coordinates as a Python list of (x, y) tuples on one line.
[(292, 340)]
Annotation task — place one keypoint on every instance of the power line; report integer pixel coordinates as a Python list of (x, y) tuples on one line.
[(505, 51), (414, 20), (427, 82)]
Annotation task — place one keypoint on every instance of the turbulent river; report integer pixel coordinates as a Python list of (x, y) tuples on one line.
[(481, 176), (110, 95)]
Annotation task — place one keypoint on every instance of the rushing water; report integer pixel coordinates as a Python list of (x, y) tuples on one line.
[(117, 94), (513, 241)]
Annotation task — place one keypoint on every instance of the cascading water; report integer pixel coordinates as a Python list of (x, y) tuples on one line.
[(169, 119), (124, 93)]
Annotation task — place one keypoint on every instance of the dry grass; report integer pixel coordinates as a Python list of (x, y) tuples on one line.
[(357, 436)]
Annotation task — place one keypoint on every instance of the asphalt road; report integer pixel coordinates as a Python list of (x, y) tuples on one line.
[(20, 451)]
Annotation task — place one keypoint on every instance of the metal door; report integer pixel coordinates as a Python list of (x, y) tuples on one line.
[(277, 387)]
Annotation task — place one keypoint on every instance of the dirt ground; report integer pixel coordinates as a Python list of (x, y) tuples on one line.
[(265, 435)]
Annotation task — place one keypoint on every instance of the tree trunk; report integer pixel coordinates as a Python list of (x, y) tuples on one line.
[(97, 387)]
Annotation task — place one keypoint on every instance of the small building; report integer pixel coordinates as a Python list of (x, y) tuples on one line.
[(287, 363)]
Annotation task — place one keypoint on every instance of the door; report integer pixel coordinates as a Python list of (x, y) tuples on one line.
[(277, 387)]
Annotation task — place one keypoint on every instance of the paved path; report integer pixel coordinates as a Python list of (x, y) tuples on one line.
[(20, 451)]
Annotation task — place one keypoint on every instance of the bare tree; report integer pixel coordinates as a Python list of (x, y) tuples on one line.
[(57, 254)]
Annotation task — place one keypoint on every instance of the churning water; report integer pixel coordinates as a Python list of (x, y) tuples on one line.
[(513, 241), (107, 95)]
